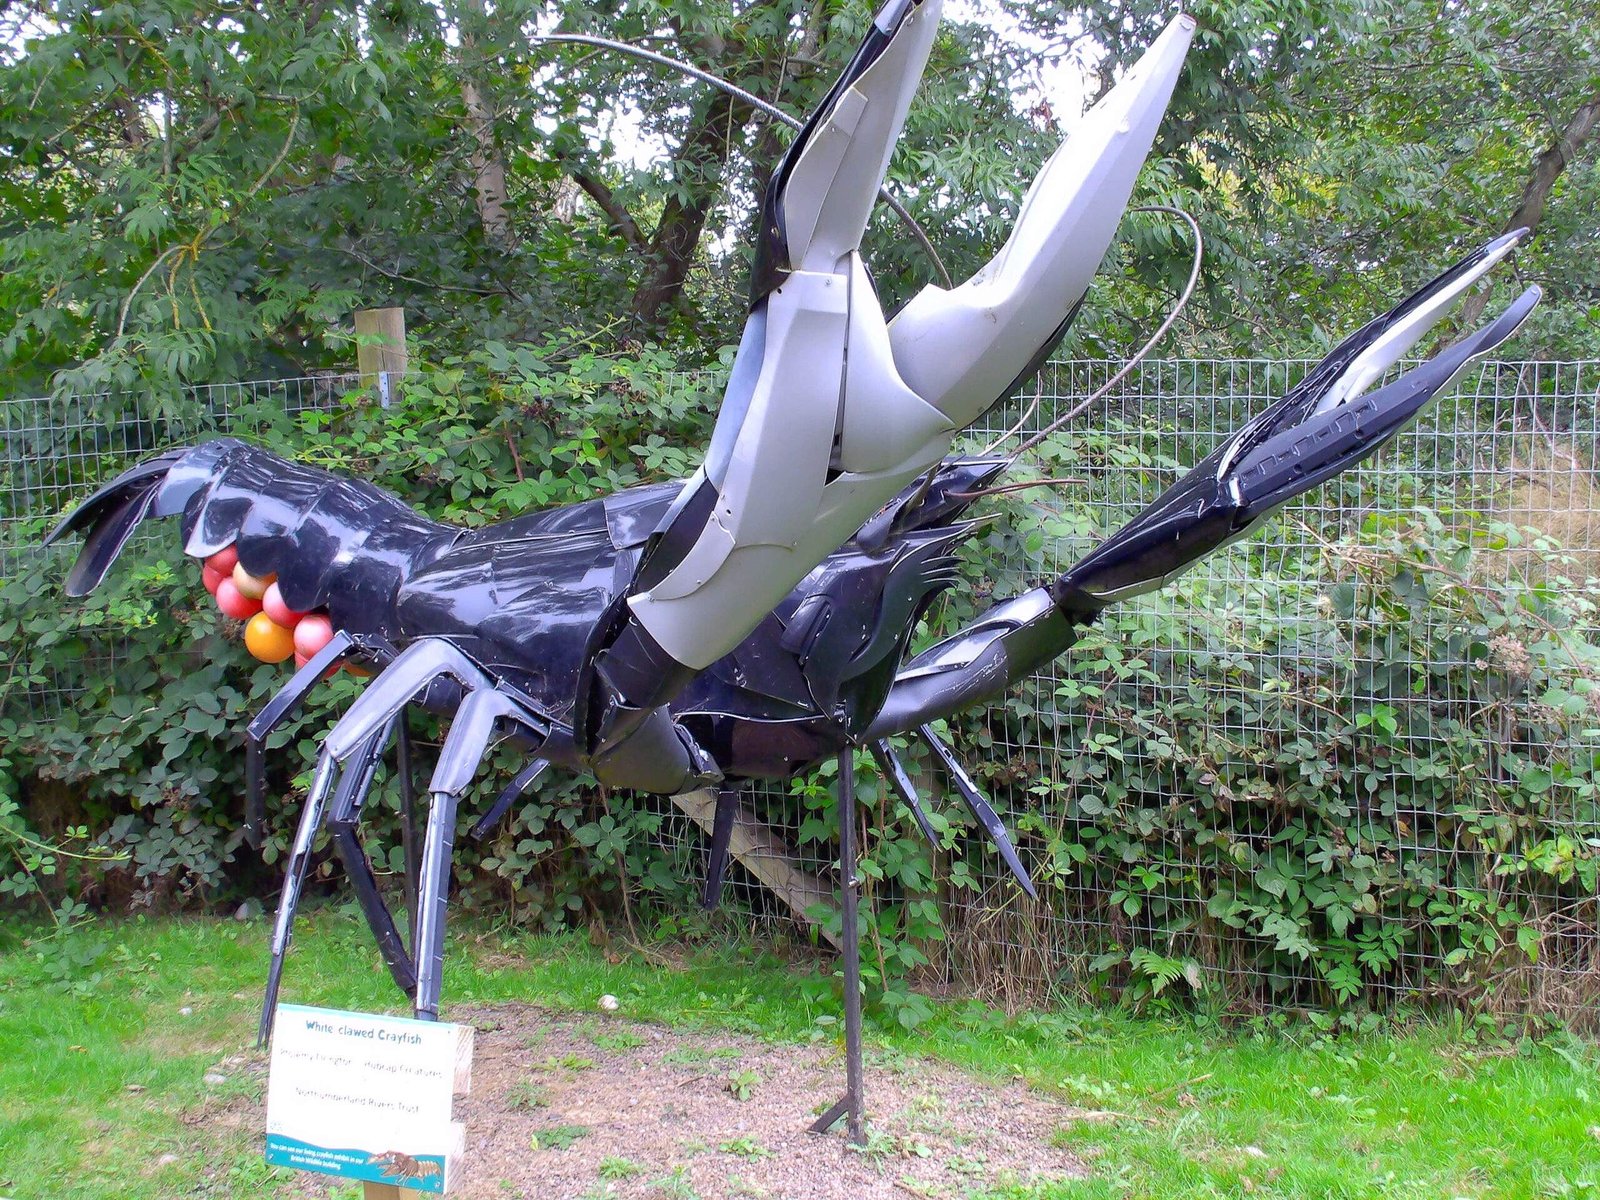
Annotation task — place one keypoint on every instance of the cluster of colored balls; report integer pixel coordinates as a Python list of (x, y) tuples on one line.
[(273, 631)]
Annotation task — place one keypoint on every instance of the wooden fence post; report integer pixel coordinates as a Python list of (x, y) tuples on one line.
[(381, 349)]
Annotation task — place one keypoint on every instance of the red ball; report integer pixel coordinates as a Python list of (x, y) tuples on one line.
[(212, 579), (233, 603), (224, 561), (272, 604), (313, 632)]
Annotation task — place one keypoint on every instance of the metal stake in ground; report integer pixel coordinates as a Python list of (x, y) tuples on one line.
[(850, 1107)]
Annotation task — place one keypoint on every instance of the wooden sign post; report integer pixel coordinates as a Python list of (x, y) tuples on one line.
[(381, 349)]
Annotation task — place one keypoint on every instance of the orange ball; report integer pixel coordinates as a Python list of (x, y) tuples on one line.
[(251, 587), (267, 640)]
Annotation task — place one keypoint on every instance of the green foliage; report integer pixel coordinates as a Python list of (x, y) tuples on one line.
[(1228, 808), (558, 1137), (741, 1084)]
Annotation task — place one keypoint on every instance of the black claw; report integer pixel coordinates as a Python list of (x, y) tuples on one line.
[(900, 779), (980, 807)]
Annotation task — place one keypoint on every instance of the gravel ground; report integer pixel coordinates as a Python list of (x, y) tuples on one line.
[(573, 1108)]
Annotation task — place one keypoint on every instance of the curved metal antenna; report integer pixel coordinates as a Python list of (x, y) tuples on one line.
[(1143, 351), (756, 102)]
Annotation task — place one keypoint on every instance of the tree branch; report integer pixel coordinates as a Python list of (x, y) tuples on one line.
[(1547, 168), (621, 222)]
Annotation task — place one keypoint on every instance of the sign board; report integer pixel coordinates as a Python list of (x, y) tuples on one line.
[(366, 1097)]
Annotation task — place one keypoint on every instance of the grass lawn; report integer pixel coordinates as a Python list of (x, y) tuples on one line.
[(106, 1039)]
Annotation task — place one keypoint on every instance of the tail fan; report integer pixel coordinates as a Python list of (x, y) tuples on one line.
[(110, 516)]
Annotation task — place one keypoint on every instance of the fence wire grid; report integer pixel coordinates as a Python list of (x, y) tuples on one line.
[(1516, 443)]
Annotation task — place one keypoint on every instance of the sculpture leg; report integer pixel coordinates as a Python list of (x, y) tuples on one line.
[(475, 723), (294, 877), (981, 808), (900, 780), (410, 842), (851, 1106), (344, 819), (520, 783), (717, 858), (278, 710), (432, 901)]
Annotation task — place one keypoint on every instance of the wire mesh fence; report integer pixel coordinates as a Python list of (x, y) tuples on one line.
[(1258, 649)]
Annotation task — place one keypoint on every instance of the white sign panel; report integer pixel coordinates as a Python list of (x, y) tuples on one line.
[(366, 1097)]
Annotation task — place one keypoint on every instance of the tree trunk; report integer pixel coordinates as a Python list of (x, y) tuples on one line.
[(700, 160), (483, 153), (1547, 168)]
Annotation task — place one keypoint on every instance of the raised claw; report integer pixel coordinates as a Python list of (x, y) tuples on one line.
[(1322, 427)]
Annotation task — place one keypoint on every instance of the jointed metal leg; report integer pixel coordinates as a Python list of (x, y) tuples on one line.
[(293, 879), (344, 819), (433, 900), (520, 783), (851, 1105), (475, 724), (900, 780), (276, 711), (981, 808)]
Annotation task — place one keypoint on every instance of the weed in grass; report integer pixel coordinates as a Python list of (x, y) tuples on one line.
[(526, 1095), (745, 1147), (976, 1166), (614, 1169), (617, 1039), (558, 1137), (675, 1185), (741, 1085), (696, 1056), (739, 1186), (878, 1146), (250, 1171), (567, 1062)]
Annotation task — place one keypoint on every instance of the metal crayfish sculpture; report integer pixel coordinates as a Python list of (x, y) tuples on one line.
[(753, 620)]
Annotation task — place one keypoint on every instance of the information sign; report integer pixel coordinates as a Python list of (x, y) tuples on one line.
[(366, 1097)]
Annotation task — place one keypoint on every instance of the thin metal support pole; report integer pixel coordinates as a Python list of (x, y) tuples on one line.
[(409, 841), (852, 1105)]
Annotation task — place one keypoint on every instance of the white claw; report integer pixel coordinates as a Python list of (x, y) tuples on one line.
[(1368, 366)]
